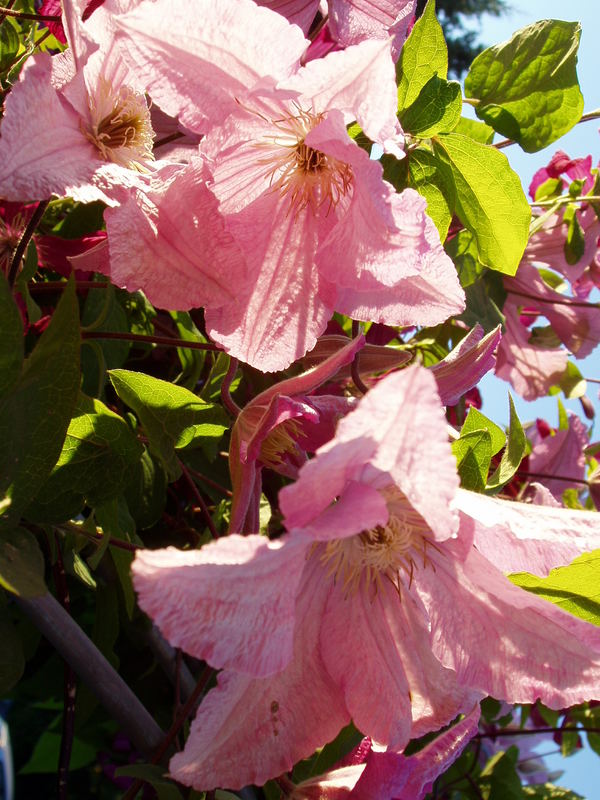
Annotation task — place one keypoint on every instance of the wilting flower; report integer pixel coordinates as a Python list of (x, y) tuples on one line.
[(278, 427), (91, 129), (370, 773), (384, 604)]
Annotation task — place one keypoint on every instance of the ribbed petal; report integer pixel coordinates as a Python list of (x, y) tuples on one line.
[(526, 537), (232, 603), (249, 730), (171, 241), (464, 366), (197, 70), (376, 646), (505, 641)]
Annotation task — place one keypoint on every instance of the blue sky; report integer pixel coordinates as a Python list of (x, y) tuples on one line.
[(582, 770)]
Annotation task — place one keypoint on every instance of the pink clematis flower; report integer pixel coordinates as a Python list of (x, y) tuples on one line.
[(319, 227), (561, 454), (91, 131), (576, 324), (384, 604), (531, 370)]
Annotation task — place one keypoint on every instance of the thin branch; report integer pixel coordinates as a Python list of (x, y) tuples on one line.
[(210, 482), (226, 397), (205, 512), (159, 341), (564, 199), (167, 658), (78, 650), (70, 684), (8, 12), (524, 473), (58, 286), (172, 137), (25, 239), (531, 731), (568, 301)]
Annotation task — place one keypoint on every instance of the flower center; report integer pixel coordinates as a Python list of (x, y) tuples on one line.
[(279, 442), (120, 127), (308, 177), (387, 552), (10, 236)]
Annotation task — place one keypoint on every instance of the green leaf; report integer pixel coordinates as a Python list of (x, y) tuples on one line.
[(527, 87), (462, 249), (21, 564), (436, 109), (574, 246), (473, 453), (475, 130), (572, 382), (563, 418), (423, 55), (9, 42), (575, 588), (145, 493), (477, 421), (516, 447), (211, 391), (12, 660), (548, 791), (96, 463), (489, 199), (191, 360), (172, 416), (485, 297), (46, 753), (35, 413), (122, 560), (500, 774), (102, 312), (426, 177), (11, 338), (155, 776)]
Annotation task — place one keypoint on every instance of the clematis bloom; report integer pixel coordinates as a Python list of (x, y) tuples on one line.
[(91, 131), (320, 229), (384, 604)]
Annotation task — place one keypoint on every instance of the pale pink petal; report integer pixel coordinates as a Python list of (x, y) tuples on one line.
[(383, 235), (283, 313), (39, 160), (505, 641), (360, 507), (527, 537), (232, 603), (249, 730), (195, 71), (184, 256), (399, 414), (279, 409), (464, 366), (360, 81), (298, 12), (381, 642), (331, 409), (373, 358), (531, 370), (96, 259), (323, 479), (351, 21), (561, 455)]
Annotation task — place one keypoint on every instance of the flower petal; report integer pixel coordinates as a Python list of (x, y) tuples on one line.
[(232, 603), (249, 730), (525, 537)]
